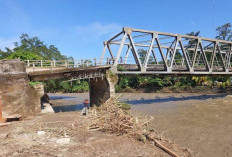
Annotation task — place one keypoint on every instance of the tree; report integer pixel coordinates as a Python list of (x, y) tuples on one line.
[(24, 55), (191, 43), (3, 54), (33, 47), (224, 32), (142, 55)]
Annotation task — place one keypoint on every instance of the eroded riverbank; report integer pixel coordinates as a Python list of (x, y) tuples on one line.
[(201, 122)]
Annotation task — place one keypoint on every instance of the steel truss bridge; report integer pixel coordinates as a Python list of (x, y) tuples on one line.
[(136, 51)]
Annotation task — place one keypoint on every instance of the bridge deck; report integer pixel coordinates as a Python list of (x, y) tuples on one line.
[(46, 73), (176, 70)]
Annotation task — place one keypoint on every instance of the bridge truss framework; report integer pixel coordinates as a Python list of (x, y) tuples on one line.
[(166, 53)]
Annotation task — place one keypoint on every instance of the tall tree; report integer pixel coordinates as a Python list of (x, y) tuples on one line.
[(142, 55), (191, 43), (224, 32), (32, 48)]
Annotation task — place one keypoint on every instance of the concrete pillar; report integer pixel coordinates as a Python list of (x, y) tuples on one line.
[(18, 98), (102, 89)]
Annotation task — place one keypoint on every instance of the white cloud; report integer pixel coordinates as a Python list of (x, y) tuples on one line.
[(7, 43), (97, 30)]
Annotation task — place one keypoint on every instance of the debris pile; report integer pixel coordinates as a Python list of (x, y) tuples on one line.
[(110, 117)]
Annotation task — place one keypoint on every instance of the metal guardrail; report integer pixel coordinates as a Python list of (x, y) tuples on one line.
[(96, 62), (68, 63)]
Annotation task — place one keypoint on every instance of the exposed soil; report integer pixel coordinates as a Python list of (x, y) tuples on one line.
[(66, 134)]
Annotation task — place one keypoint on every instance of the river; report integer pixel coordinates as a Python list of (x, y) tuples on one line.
[(201, 122)]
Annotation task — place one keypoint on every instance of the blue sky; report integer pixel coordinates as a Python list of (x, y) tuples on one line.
[(79, 27)]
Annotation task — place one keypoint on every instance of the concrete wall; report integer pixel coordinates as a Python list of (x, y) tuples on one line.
[(102, 89), (18, 98)]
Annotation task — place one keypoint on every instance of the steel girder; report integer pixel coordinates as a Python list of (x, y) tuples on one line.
[(155, 52)]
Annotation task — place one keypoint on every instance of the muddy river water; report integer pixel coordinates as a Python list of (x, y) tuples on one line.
[(201, 122)]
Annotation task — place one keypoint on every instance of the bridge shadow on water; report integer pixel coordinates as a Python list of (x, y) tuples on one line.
[(68, 108), (171, 99)]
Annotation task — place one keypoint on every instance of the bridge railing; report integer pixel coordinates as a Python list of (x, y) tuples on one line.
[(99, 62), (69, 63), (180, 61)]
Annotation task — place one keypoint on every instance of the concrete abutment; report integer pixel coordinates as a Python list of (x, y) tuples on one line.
[(17, 98)]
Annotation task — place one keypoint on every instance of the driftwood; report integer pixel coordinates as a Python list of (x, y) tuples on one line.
[(165, 149), (158, 144), (111, 118)]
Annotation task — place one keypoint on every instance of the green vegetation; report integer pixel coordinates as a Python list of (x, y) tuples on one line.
[(24, 55), (32, 83), (66, 86), (32, 48), (124, 105), (120, 68), (126, 83)]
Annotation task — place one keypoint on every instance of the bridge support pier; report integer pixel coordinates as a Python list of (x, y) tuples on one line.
[(102, 89), (18, 98)]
